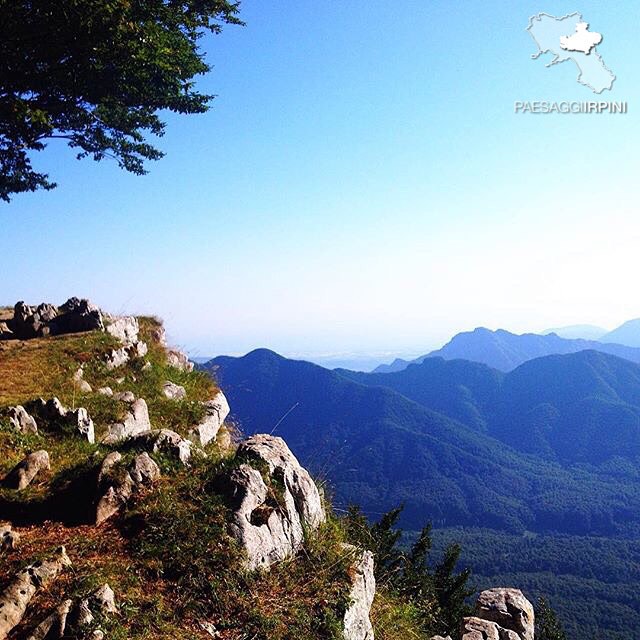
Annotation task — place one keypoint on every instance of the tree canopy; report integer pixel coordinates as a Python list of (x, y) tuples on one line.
[(96, 73)]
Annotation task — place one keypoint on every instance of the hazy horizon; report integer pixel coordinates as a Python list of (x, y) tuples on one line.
[(360, 185)]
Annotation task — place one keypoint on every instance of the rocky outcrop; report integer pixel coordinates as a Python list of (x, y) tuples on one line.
[(21, 420), (9, 539), (135, 421), (173, 391), (16, 597), (178, 360), (46, 319), (116, 485), (357, 624), (119, 357), (124, 328), (269, 520), (500, 614), (23, 474), (216, 412), (57, 417), (164, 441), (71, 620)]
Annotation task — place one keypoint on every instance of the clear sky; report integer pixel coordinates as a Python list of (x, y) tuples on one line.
[(360, 184)]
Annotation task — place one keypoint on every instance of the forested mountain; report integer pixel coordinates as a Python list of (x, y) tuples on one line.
[(540, 465), (505, 351), (378, 447)]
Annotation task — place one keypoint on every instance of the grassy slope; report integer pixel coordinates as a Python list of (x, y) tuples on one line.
[(168, 557)]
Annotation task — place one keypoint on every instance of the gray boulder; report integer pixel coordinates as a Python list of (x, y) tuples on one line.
[(178, 360), (81, 422), (164, 441), (135, 422), (15, 599), (57, 417), (173, 391), (268, 523), (509, 609), (70, 619), (21, 420), (116, 486), (118, 357), (9, 539), (23, 474), (106, 391), (357, 624), (216, 412), (125, 329), (478, 629)]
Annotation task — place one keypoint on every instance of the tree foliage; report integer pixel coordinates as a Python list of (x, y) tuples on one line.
[(548, 626), (96, 73), (437, 592)]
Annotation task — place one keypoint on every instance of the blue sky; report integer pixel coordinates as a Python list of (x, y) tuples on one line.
[(360, 184)]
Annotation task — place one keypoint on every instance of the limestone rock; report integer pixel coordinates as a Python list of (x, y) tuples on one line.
[(479, 629), (9, 539), (135, 422), (77, 315), (165, 441), (357, 625), (106, 391), (115, 487), (125, 396), (79, 419), (173, 391), (56, 415), (69, 619), (441, 638), (125, 329), (509, 609), (270, 527), (119, 357), (179, 360), (5, 331), (217, 411), (21, 420), (16, 597), (23, 474)]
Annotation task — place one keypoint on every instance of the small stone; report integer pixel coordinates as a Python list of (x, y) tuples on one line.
[(23, 474), (173, 391), (21, 420), (9, 539), (124, 396), (105, 391), (216, 412), (136, 421)]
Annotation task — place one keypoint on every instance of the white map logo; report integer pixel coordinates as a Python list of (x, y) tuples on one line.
[(568, 38)]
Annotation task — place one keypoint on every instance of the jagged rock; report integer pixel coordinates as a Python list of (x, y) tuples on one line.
[(118, 357), (5, 331), (173, 391), (21, 420), (125, 329), (16, 597), (135, 422), (125, 396), (270, 527), (357, 625), (159, 335), (77, 315), (106, 391), (69, 619), (23, 474), (217, 411), (115, 489), (165, 441), (509, 609), (79, 419), (55, 414), (209, 628), (479, 629), (178, 360), (9, 539)]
